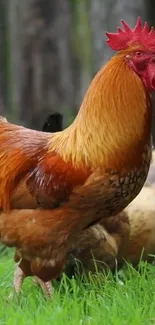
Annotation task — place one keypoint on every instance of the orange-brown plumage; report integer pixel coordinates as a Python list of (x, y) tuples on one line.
[(17, 156), (87, 172), (31, 162), (129, 236), (53, 184)]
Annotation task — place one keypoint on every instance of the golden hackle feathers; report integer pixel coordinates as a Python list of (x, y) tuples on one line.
[(114, 118)]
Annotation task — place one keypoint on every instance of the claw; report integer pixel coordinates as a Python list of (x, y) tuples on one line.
[(45, 286), (19, 277)]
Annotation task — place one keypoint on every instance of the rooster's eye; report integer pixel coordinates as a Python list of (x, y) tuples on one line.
[(139, 54)]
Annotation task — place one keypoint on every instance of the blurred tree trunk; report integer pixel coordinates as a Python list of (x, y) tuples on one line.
[(3, 71), (82, 49), (3, 56), (51, 67), (43, 80), (14, 24), (105, 15)]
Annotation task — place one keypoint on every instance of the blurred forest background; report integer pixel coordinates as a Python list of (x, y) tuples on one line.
[(51, 49)]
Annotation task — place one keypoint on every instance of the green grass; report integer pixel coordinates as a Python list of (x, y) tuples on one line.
[(127, 300)]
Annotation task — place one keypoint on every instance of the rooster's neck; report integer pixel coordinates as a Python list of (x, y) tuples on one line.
[(114, 121)]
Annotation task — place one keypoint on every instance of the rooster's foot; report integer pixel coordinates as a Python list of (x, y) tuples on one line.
[(45, 286), (17, 282)]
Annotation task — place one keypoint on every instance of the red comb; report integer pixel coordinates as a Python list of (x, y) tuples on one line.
[(140, 35)]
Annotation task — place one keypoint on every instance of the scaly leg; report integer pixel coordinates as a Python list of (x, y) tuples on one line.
[(19, 277), (45, 286)]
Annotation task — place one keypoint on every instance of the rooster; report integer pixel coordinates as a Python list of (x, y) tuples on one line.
[(53, 186)]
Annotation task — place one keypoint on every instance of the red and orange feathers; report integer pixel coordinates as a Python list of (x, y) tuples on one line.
[(87, 172)]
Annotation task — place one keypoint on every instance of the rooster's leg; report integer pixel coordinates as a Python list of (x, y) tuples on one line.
[(17, 282), (45, 286)]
